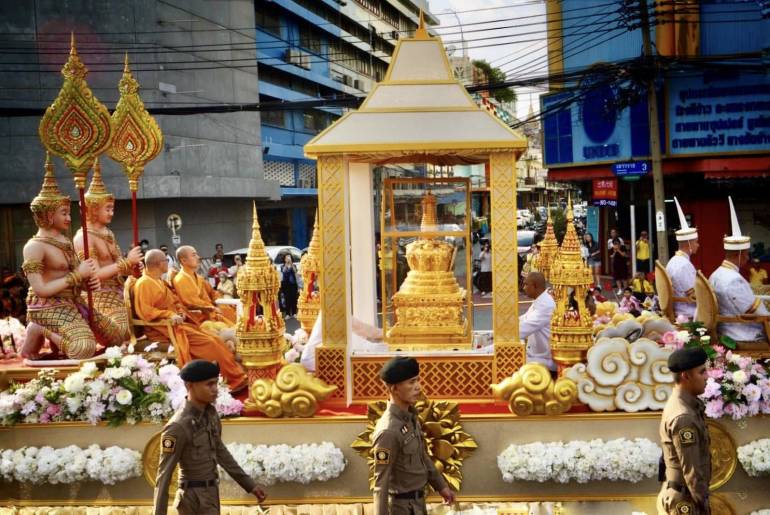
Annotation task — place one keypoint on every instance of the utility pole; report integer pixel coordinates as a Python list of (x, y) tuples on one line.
[(657, 167)]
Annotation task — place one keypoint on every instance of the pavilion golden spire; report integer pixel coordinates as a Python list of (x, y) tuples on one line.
[(260, 327), (309, 302), (137, 139), (428, 221), (421, 32), (571, 323), (76, 126)]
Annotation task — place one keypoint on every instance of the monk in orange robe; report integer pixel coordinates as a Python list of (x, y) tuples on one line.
[(154, 301), (196, 293)]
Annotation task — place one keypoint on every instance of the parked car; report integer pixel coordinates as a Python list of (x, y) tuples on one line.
[(525, 240)]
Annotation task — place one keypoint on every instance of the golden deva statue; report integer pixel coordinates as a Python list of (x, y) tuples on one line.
[(309, 299), (429, 304), (57, 277), (112, 267)]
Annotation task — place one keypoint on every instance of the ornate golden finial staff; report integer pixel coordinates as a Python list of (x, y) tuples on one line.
[(76, 127), (136, 138)]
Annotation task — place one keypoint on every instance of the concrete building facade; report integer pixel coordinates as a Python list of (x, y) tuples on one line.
[(184, 54)]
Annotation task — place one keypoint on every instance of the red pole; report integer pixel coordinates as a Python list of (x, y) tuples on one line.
[(134, 223), (86, 251)]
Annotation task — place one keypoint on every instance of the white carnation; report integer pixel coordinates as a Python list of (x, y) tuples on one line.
[(124, 397), (74, 383)]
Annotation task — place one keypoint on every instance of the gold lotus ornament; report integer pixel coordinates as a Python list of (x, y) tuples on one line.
[(76, 126), (293, 393), (136, 137), (447, 444), (532, 391)]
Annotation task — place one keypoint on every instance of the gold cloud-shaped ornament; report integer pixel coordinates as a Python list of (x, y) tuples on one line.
[(532, 391), (293, 393), (447, 444), (623, 375)]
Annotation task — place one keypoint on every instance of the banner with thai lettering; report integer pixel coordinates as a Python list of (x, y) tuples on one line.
[(605, 189), (719, 116)]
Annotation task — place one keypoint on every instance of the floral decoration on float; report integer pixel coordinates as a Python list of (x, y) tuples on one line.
[(581, 461), (270, 464), (128, 390), (755, 457), (70, 464)]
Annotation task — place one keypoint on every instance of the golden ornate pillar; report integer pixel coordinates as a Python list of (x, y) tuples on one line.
[(509, 351), (332, 211)]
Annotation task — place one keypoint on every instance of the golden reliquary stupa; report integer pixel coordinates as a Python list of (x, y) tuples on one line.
[(309, 302), (571, 324), (548, 249), (260, 328), (428, 306)]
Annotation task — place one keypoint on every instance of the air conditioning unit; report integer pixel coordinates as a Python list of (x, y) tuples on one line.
[(347, 80), (293, 56), (357, 84), (304, 60)]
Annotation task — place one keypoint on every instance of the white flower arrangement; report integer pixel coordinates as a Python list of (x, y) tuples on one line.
[(763, 511), (581, 461), (269, 464), (755, 457), (129, 390), (69, 464)]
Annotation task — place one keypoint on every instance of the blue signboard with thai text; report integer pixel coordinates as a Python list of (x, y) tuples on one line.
[(631, 168), (721, 116)]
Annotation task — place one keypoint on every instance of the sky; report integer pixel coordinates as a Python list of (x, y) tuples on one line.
[(523, 54)]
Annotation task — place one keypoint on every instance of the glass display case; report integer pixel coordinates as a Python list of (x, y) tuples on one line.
[(425, 263)]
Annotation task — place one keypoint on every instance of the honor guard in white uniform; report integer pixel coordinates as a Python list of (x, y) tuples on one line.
[(680, 268), (734, 294)]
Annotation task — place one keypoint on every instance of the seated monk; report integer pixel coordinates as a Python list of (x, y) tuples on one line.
[(154, 301), (56, 277), (104, 249), (195, 292)]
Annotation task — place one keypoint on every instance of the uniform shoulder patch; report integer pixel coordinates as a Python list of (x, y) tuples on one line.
[(687, 436), (381, 456), (168, 444)]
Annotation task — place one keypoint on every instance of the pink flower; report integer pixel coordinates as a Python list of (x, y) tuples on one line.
[(712, 389), (669, 339), (715, 373), (740, 411), (714, 408), (729, 409), (53, 410), (682, 319), (720, 349), (751, 391)]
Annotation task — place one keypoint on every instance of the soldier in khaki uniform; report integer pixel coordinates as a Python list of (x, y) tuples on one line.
[(685, 438), (402, 466), (193, 438)]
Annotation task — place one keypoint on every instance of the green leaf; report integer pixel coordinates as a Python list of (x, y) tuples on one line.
[(728, 342)]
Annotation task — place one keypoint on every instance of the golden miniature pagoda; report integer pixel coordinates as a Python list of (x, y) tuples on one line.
[(260, 327), (571, 324), (309, 303), (548, 249), (428, 306)]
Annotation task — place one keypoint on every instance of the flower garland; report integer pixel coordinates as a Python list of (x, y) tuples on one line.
[(755, 457), (581, 461), (269, 464), (130, 389), (69, 464)]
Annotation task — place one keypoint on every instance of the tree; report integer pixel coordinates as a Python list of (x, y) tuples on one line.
[(496, 76)]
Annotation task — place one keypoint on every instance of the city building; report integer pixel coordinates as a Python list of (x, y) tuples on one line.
[(714, 114), (210, 168), (309, 50)]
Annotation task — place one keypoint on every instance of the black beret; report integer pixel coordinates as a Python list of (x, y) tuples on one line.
[(686, 359), (199, 370), (399, 369)]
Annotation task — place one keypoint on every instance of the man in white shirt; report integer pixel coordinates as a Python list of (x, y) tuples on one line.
[(613, 236), (680, 268), (734, 294), (535, 324)]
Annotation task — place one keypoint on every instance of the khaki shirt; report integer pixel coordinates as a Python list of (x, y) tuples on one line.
[(193, 439), (401, 460), (685, 441)]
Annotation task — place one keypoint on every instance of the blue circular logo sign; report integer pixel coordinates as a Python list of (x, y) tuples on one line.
[(599, 113)]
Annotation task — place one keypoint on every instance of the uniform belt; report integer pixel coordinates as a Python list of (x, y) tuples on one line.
[(194, 483), (414, 494), (675, 486)]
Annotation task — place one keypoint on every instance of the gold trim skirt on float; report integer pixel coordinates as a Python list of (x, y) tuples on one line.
[(109, 302), (66, 318)]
